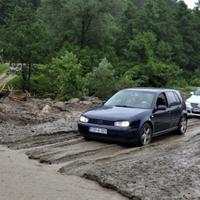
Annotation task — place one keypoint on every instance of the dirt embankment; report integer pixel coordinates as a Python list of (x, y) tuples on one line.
[(169, 168)]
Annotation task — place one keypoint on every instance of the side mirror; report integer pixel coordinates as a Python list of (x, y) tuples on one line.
[(160, 107), (192, 93)]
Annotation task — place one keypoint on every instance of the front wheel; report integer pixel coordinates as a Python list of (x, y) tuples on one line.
[(145, 135), (182, 127), (87, 138)]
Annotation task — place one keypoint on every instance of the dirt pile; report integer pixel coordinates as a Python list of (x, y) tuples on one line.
[(24, 120)]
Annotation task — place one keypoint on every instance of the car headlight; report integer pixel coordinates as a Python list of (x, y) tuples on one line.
[(188, 105), (84, 119), (123, 124)]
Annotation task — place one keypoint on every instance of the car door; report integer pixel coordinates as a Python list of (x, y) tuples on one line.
[(161, 118), (175, 108)]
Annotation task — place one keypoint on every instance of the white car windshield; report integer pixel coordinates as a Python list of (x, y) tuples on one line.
[(197, 92), (132, 99)]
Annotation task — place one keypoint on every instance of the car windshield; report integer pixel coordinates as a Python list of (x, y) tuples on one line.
[(197, 92), (132, 99)]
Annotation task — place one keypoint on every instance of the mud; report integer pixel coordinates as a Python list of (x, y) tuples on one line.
[(169, 168)]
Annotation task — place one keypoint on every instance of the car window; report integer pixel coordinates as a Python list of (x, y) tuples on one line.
[(172, 98), (161, 100), (197, 92), (178, 101)]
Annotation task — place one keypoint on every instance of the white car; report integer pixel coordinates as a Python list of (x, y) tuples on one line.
[(193, 103)]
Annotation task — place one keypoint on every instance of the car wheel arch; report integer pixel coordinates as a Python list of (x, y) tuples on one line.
[(148, 122)]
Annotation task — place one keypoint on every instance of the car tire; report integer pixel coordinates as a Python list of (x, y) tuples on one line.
[(182, 126), (87, 138), (145, 135)]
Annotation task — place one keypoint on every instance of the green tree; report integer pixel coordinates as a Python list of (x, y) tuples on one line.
[(142, 48), (188, 24), (60, 79), (6, 8), (25, 41), (101, 82), (68, 76), (83, 22)]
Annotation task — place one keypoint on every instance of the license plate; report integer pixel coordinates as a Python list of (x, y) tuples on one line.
[(98, 130), (196, 110)]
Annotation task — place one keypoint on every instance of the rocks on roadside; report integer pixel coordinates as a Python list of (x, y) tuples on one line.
[(60, 106), (46, 109), (93, 100), (85, 100), (73, 101)]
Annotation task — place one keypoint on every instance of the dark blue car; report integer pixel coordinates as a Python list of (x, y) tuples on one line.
[(135, 116)]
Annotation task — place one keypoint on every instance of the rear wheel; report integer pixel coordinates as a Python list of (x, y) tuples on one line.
[(182, 127), (145, 135)]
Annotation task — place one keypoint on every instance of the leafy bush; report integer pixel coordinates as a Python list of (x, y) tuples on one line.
[(101, 82), (125, 82), (3, 68), (60, 79), (195, 80), (154, 74), (15, 82)]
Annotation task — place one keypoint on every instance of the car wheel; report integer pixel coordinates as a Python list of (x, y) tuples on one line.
[(182, 127), (145, 135), (87, 138)]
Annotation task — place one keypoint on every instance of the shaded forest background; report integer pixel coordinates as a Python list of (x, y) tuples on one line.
[(71, 48)]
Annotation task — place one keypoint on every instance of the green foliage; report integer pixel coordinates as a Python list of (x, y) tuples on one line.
[(60, 79), (3, 68), (125, 82), (24, 37), (154, 74), (101, 82), (195, 80), (24, 41), (143, 47), (84, 22), (147, 42), (15, 82)]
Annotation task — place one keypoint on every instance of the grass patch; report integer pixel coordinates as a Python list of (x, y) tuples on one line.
[(3, 68)]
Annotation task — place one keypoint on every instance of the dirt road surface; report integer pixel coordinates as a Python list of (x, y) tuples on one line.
[(24, 180), (168, 169)]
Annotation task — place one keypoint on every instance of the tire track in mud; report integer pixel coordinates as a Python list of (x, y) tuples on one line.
[(165, 171), (43, 140)]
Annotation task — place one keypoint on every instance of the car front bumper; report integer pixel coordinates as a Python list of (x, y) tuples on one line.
[(114, 134), (191, 113)]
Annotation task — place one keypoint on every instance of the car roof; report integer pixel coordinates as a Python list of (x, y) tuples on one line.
[(155, 90)]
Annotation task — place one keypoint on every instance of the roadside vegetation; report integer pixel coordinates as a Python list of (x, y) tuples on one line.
[(3, 68), (71, 48)]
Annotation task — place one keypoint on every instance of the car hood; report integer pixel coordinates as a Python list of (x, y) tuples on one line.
[(194, 99), (116, 113)]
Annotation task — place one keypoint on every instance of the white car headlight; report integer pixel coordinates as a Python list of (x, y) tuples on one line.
[(123, 124), (84, 119), (188, 105)]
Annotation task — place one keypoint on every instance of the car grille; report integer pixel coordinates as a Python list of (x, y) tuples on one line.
[(101, 122), (195, 105)]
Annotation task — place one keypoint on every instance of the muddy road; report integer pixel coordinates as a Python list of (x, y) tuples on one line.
[(169, 168)]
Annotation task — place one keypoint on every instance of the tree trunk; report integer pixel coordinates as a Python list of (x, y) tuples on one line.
[(29, 77), (82, 40), (24, 78)]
